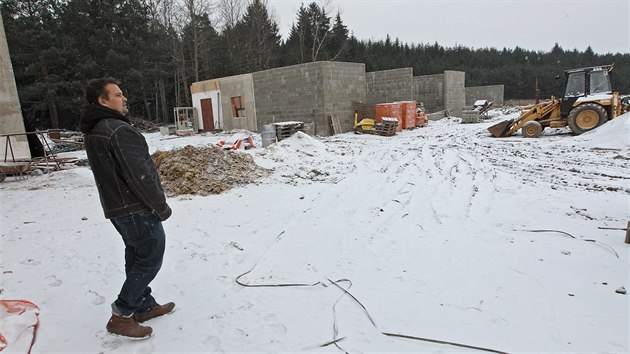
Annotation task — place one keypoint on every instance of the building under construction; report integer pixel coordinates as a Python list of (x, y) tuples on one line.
[(313, 92)]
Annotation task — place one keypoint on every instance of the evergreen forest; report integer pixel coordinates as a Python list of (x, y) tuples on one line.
[(157, 48)]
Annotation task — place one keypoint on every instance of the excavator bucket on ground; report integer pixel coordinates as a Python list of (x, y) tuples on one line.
[(500, 129)]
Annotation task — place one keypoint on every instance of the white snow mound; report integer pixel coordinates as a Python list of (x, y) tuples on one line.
[(301, 142), (615, 134)]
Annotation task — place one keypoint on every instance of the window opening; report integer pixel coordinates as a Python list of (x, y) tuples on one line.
[(238, 109)]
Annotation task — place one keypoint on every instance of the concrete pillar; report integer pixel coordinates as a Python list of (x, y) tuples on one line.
[(11, 120), (454, 92)]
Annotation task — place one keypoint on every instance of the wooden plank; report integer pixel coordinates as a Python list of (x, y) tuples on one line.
[(335, 124)]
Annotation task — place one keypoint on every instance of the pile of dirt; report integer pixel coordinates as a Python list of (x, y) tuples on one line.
[(205, 170)]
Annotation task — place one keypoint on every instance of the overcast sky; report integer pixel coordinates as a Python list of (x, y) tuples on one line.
[(532, 24)]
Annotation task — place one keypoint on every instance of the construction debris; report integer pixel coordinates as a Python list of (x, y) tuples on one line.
[(438, 115), (205, 170), (65, 140), (479, 110), (421, 117), (483, 107), (167, 130), (144, 125), (238, 141)]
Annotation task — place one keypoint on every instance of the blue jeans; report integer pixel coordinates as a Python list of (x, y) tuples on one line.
[(145, 240)]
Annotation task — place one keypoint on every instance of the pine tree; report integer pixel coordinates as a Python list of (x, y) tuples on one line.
[(257, 41), (309, 38), (338, 44), (57, 45)]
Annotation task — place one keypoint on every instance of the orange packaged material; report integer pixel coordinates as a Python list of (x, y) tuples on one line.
[(408, 114), (392, 110)]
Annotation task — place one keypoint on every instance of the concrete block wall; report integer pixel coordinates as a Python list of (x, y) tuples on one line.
[(492, 93), (309, 93), (429, 89), (344, 83), (234, 86), (291, 93), (11, 120), (389, 85), (454, 92)]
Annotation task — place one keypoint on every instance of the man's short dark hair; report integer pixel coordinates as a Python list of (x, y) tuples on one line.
[(96, 88)]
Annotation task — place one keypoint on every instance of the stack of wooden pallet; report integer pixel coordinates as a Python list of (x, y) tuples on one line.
[(387, 127), (286, 129)]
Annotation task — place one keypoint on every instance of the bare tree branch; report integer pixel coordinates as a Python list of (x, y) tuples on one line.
[(230, 12)]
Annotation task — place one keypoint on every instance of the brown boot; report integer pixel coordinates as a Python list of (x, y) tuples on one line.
[(157, 310), (128, 327)]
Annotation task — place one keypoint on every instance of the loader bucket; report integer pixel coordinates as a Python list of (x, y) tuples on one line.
[(500, 129)]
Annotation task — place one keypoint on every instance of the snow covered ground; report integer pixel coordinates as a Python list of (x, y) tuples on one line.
[(440, 233)]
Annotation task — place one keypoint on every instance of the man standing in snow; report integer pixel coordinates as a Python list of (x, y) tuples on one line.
[(132, 198)]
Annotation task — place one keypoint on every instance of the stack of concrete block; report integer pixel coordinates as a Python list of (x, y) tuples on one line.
[(470, 116), (437, 115), (169, 130)]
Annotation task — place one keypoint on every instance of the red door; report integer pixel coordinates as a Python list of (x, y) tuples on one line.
[(206, 115)]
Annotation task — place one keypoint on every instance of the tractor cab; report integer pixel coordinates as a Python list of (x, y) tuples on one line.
[(585, 82)]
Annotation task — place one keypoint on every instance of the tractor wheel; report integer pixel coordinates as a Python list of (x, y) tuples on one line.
[(532, 129), (586, 117)]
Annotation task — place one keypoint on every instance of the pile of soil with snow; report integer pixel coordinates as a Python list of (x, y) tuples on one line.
[(205, 170), (615, 134)]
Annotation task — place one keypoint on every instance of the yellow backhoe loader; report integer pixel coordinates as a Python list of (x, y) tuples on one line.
[(588, 102)]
